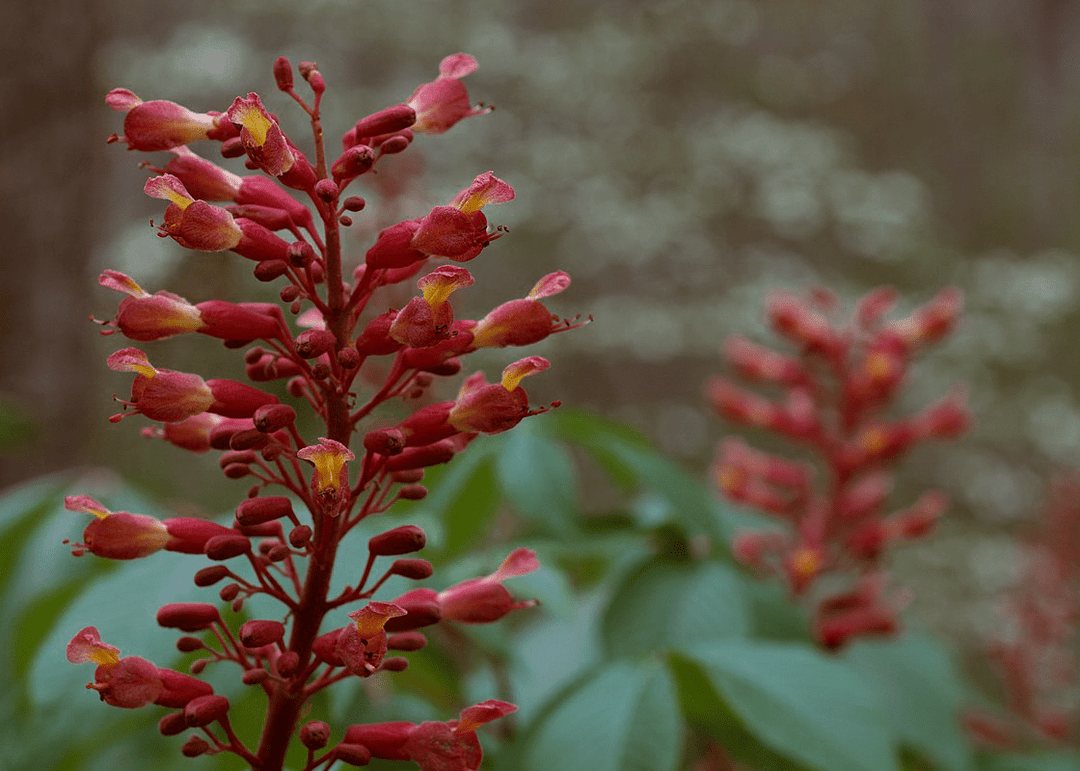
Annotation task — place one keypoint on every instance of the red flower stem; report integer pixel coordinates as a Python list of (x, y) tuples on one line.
[(287, 699)]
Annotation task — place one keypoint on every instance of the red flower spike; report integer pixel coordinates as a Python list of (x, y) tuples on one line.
[(443, 102), (482, 600)]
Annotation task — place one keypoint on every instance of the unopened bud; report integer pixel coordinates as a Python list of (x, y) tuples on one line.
[(386, 121), (414, 569), (354, 203), (189, 644), (289, 293), (384, 441), (353, 754), (211, 575), (401, 540), (254, 511), (194, 747), (259, 632), (248, 439), (198, 666), (314, 342), (188, 616), (204, 710), (326, 189), (229, 592), (394, 664), (406, 641), (273, 417), (315, 735), (172, 724), (224, 547), (413, 492), (268, 270), (283, 74), (254, 676), (300, 536), (287, 663)]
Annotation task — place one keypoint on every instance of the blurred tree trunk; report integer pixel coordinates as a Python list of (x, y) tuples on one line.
[(48, 166)]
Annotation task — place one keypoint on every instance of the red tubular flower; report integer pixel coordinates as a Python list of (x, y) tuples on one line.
[(433, 746), (261, 136), (146, 317), (524, 321), (168, 396), (490, 408), (130, 682), (426, 320), (118, 535), (459, 230), (331, 478), (443, 102), (362, 644), (162, 125), (482, 600)]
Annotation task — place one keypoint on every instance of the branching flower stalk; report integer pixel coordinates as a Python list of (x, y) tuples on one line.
[(835, 394), (327, 486)]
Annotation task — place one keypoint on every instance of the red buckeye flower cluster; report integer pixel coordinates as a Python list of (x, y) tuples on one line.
[(335, 348), (833, 394)]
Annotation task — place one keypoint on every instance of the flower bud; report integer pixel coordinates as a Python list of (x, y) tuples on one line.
[(249, 439), (204, 710), (254, 511), (400, 540), (283, 74), (386, 121), (194, 747), (394, 664), (421, 457), (314, 342), (300, 536), (413, 492), (189, 644), (273, 417), (229, 592), (406, 641), (172, 724), (259, 632), (414, 569), (254, 676), (268, 270), (188, 616), (353, 754), (384, 441), (325, 648), (315, 735), (224, 547), (287, 663)]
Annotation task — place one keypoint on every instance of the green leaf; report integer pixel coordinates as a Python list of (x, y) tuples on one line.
[(537, 476), (690, 504), (922, 694), (1062, 760), (624, 718), (664, 604), (800, 703), (464, 497), (774, 615)]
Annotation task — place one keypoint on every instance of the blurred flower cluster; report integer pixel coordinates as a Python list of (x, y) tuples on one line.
[(834, 393)]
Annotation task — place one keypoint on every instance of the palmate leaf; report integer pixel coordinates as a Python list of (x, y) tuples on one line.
[(622, 718), (799, 703)]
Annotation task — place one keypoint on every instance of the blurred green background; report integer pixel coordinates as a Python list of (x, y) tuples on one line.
[(677, 158)]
